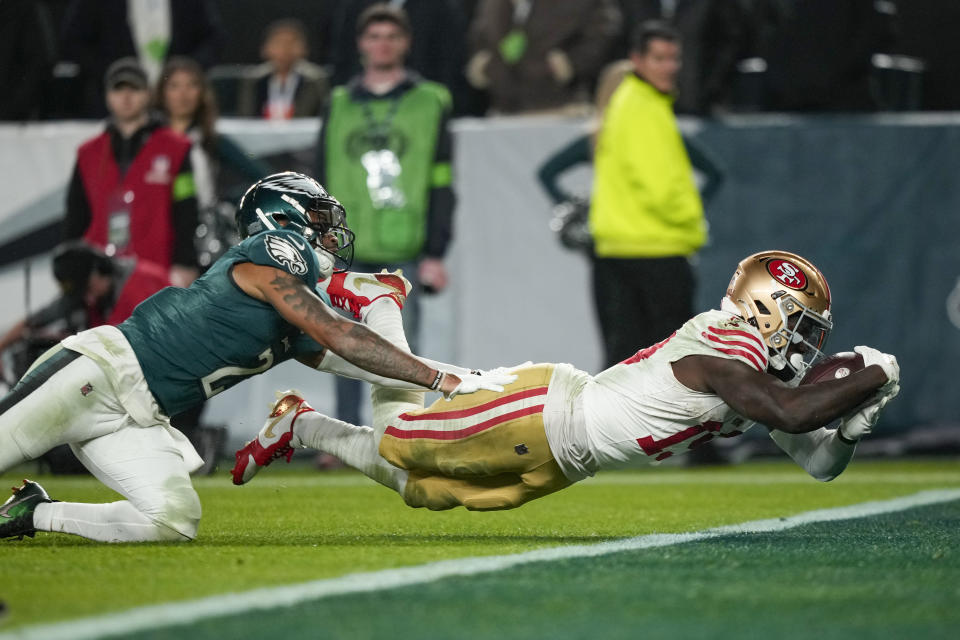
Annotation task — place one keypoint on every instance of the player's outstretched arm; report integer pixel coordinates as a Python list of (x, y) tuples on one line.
[(305, 310), (333, 363), (763, 398), (301, 307)]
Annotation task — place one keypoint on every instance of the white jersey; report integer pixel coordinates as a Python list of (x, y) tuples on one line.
[(638, 413)]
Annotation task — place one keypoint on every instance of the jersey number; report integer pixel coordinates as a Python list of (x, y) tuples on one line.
[(225, 377), (709, 429)]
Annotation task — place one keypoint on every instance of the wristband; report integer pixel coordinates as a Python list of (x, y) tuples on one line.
[(437, 381)]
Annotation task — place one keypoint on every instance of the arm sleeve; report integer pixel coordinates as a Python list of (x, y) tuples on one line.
[(575, 153), (821, 453), (442, 198), (185, 216), (78, 208)]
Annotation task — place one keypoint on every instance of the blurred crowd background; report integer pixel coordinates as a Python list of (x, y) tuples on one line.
[(739, 55)]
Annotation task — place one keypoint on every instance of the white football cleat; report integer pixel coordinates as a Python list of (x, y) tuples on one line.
[(355, 292), (274, 439)]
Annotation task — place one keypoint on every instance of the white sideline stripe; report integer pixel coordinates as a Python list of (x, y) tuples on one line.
[(177, 613)]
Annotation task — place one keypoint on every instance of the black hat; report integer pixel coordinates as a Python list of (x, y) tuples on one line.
[(125, 71)]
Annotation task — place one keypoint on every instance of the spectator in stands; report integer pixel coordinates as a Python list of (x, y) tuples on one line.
[(571, 209), (715, 38), (95, 290), (533, 55), (132, 192), (646, 216), (286, 85), (185, 98), (26, 57), (97, 32), (437, 51), (385, 149)]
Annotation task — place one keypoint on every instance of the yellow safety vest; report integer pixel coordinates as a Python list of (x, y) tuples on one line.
[(645, 203)]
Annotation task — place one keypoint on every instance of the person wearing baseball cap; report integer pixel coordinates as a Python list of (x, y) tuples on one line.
[(132, 192), (125, 71)]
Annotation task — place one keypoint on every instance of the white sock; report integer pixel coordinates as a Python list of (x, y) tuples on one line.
[(384, 318), (355, 446), (110, 522)]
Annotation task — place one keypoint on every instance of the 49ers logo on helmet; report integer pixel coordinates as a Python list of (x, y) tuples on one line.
[(787, 273)]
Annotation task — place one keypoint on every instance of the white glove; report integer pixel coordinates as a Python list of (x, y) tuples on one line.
[(885, 361), (489, 381), (859, 424), (505, 370)]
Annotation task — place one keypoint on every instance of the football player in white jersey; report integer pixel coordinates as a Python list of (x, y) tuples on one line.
[(716, 376)]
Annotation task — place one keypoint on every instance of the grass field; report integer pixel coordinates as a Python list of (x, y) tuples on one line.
[(892, 575)]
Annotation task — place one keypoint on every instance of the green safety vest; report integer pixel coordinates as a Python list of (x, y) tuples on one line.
[(407, 124)]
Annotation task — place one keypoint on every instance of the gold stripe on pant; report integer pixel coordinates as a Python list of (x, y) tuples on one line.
[(484, 451)]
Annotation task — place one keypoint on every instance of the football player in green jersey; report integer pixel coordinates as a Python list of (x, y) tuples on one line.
[(108, 392)]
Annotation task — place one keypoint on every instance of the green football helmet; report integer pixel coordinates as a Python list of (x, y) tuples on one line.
[(299, 203)]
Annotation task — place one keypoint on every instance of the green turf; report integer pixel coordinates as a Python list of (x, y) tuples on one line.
[(893, 576), (297, 526)]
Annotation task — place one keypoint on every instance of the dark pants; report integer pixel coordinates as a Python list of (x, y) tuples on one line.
[(349, 391), (640, 301)]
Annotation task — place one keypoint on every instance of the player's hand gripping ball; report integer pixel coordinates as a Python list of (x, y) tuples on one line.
[(834, 367)]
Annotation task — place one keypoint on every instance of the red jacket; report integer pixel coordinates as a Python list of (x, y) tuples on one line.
[(145, 193), (144, 280)]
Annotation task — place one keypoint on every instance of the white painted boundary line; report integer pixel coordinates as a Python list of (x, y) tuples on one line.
[(176, 613)]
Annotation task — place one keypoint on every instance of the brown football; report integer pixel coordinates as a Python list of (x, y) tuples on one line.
[(839, 365)]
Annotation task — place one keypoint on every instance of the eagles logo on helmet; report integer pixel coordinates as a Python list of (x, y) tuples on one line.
[(297, 202), (787, 298)]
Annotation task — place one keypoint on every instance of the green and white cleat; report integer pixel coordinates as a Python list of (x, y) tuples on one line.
[(16, 514)]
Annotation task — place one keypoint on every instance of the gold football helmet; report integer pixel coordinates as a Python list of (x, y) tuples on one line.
[(788, 300)]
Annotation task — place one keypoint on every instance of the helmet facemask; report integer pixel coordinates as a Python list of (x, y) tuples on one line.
[(331, 238), (800, 340)]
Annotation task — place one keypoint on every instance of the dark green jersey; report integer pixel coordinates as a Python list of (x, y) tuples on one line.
[(194, 343)]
